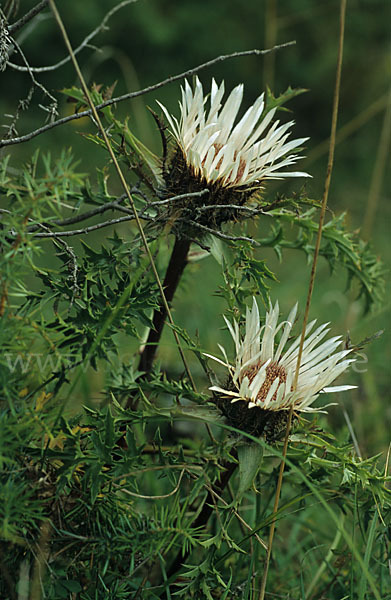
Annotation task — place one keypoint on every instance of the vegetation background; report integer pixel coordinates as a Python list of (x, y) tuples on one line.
[(150, 40)]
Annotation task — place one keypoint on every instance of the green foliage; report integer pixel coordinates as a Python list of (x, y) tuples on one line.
[(117, 487), (339, 247), (114, 484)]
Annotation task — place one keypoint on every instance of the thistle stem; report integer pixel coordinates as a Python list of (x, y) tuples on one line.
[(175, 268)]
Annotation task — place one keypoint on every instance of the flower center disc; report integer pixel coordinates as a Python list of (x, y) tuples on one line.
[(273, 370)]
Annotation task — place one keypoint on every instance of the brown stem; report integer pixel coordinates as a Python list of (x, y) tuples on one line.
[(176, 266)]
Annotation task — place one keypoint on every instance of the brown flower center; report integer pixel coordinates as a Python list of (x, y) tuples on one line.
[(273, 370)]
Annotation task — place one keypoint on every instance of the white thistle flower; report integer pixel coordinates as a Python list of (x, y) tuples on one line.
[(264, 372), (234, 156)]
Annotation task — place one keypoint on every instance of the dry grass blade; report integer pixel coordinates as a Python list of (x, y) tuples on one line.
[(334, 119)]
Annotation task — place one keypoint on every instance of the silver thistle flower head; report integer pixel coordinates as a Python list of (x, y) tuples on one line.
[(236, 156), (263, 373)]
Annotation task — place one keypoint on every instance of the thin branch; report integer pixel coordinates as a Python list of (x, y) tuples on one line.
[(238, 516), (52, 109), (173, 199), (252, 211), (349, 128), (201, 520), (77, 219), (59, 234), (351, 431), (223, 236), (191, 72), (23, 105), (185, 466), (83, 44), (84, 230), (27, 17), (84, 216), (131, 95), (330, 163), (180, 197), (174, 491), (378, 172)]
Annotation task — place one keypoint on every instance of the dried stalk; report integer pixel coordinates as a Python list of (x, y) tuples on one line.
[(311, 284)]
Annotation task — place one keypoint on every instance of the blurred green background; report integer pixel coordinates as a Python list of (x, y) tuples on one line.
[(150, 40)]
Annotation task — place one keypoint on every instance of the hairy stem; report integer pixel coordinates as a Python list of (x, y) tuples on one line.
[(176, 266)]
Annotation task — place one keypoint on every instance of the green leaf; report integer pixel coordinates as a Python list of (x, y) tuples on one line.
[(72, 586), (362, 588), (250, 459), (110, 431), (277, 102)]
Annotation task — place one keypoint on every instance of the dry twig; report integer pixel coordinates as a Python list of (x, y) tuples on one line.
[(131, 95)]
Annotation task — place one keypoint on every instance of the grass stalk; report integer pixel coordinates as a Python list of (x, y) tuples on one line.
[(330, 163), (378, 172)]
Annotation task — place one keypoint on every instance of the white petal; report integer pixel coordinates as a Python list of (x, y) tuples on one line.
[(271, 392), (216, 359), (270, 332), (216, 388), (338, 388), (280, 396), (287, 330), (258, 380)]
